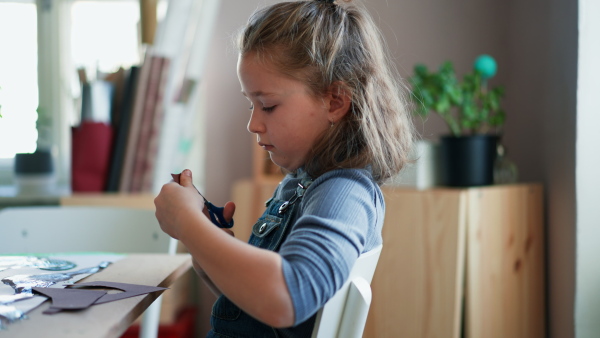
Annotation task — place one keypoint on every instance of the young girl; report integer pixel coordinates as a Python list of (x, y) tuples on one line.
[(326, 106)]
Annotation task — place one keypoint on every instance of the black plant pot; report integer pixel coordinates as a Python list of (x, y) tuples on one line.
[(39, 162), (468, 161), (34, 173)]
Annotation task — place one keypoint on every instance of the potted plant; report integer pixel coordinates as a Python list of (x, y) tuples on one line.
[(34, 172), (472, 113)]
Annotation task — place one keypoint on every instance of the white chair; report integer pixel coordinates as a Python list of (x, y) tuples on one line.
[(345, 314), (54, 229)]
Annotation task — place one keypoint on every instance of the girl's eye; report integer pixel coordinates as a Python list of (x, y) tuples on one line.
[(265, 109)]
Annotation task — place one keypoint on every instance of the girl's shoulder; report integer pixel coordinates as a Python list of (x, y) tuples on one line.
[(333, 182), (347, 176), (347, 181)]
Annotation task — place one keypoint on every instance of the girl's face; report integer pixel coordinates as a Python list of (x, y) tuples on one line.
[(286, 118)]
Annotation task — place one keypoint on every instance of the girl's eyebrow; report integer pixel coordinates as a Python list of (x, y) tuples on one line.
[(257, 94)]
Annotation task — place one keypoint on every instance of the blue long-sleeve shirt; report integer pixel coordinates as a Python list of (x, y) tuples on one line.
[(340, 217)]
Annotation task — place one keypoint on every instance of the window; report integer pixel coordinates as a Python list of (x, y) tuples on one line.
[(18, 78), (98, 36)]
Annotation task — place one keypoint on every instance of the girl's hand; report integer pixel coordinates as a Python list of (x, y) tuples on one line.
[(228, 211), (176, 209), (179, 206)]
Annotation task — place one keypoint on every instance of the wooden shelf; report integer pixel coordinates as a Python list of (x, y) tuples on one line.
[(142, 201), (480, 249)]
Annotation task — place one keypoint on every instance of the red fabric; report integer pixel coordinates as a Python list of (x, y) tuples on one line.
[(183, 327), (90, 158)]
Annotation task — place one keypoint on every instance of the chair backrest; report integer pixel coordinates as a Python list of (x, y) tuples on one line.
[(345, 314), (52, 229)]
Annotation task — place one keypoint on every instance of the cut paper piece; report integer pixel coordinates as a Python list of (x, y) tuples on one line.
[(69, 299), (14, 307), (24, 283), (130, 290)]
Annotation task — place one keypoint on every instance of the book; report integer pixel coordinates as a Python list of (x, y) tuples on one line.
[(134, 125), (122, 129), (146, 123), (117, 79), (155, 131)]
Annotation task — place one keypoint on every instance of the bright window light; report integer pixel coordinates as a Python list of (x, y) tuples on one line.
[(103, 45), (18, 78)]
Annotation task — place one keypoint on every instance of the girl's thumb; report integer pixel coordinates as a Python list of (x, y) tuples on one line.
[(184, 179)]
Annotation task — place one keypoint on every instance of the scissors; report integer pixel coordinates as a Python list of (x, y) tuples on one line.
[(215, 213)]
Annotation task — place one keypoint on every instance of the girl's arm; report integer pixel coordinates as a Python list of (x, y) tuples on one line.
[(200, 272), (211, 286), (249, 276)]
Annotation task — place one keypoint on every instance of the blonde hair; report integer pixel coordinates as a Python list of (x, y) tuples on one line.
[(324, 44)]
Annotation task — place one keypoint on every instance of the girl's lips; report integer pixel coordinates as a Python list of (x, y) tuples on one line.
[(266, 147)]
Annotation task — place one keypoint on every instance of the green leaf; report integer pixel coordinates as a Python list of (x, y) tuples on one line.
[(427, 97), (421, 70), (455, 96), (442, 105)]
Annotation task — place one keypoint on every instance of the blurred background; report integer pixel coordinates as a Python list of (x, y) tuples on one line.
[(546, 51)]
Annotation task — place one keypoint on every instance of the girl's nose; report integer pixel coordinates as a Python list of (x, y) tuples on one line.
[(255, 125)]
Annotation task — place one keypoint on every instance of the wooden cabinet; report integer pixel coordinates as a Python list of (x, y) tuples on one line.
[(453, 260), (461, 260)]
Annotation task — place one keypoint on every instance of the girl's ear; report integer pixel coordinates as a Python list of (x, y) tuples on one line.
[(339, 101)]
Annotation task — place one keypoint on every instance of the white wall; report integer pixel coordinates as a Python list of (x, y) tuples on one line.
[(587, 305)]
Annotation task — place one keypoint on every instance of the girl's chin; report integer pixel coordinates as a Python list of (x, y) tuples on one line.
[(282, 163)]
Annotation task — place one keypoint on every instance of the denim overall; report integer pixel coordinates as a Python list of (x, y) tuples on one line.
[(270, 230)]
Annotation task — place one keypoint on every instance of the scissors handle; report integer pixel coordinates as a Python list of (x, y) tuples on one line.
[(216, 215)]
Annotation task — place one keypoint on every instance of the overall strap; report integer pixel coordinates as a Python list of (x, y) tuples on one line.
[(300, 190)]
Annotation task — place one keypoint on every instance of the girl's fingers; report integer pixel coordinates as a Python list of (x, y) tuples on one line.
[(228, 211)]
